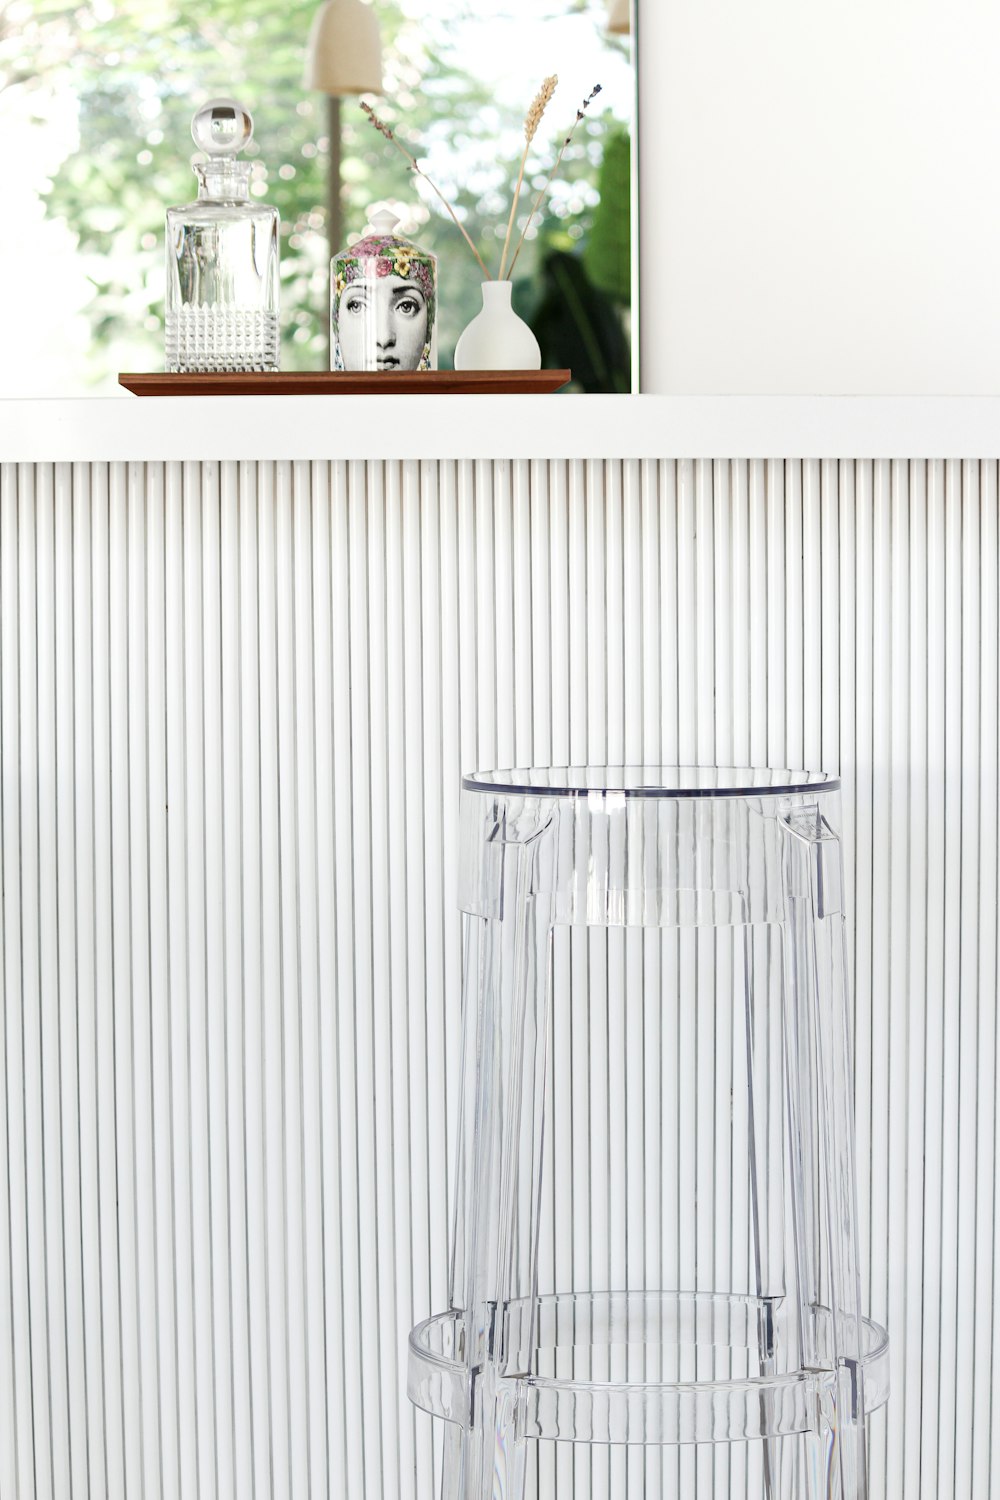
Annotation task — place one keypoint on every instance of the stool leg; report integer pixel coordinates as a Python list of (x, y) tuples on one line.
[(764, 1030), (506, 998), (821, 1128)]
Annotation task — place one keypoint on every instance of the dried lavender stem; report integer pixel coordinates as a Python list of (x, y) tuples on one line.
[(534, 206), (421, 173), (384, 130), (545, 185)]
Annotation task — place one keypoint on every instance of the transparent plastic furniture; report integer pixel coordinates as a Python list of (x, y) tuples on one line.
[(730, 883)]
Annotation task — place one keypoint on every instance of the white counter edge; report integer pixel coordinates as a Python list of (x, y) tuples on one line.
[(498, 427)]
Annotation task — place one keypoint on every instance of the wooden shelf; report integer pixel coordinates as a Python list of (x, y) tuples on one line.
[(346, 383)]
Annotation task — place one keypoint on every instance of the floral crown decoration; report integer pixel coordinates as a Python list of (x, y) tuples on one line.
[(387, 256)]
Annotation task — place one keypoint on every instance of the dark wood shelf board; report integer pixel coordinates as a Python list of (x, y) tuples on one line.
[(344, 383)]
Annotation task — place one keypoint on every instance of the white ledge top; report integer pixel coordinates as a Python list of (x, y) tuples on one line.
[(497, 427)]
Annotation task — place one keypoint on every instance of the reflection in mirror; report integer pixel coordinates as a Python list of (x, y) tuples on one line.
[(96, 103)]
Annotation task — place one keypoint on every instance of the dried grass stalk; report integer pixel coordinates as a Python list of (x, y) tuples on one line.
[(532, 120)]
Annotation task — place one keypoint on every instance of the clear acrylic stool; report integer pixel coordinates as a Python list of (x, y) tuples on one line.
[(730, 883)]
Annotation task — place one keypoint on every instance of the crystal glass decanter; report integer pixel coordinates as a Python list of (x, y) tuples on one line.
[(222, 257)]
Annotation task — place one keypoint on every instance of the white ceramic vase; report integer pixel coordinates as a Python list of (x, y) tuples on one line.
[(497, 339)]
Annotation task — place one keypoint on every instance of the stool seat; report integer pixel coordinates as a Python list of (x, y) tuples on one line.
[(695, 902), (647, 781)]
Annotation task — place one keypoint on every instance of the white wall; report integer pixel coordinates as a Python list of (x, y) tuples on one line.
[(819, 202), (235, 700)]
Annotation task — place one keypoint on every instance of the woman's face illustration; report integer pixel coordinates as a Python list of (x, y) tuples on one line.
[(382, 325)]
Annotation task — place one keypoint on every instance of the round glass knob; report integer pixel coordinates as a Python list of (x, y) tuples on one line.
[(222, 127)]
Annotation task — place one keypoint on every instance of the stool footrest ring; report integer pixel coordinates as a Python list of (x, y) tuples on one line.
[(651, 1367)]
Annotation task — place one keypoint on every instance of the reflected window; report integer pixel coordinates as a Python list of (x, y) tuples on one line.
[(95, 108)]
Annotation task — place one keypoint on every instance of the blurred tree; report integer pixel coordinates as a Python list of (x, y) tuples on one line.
[(138, 75), (608, 254), (35, 39)]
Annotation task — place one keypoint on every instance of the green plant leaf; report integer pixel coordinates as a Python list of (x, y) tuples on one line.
[(579, 327)]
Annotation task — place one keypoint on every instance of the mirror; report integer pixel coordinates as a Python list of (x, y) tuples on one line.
[(96, 105)]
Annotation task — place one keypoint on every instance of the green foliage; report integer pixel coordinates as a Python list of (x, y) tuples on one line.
[(35, 39), (608, 255), (579, 328), (139, 74)]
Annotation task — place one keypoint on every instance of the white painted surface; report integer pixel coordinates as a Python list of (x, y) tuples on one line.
[(235, 700), (817, 205), (503, 427)]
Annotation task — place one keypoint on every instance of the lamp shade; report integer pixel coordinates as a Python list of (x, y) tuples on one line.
[(619, 17), (344, 55)]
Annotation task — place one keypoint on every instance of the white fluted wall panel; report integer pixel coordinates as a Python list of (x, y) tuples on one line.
[(235, 700)]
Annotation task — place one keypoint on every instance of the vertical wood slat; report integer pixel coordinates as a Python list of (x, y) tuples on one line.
[(327, 1311), (68, 989), (984, 1414), (234, 702), (19, 1394), (225, 769)]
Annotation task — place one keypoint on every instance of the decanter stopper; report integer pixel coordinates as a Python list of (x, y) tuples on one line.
[(222, 127)]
